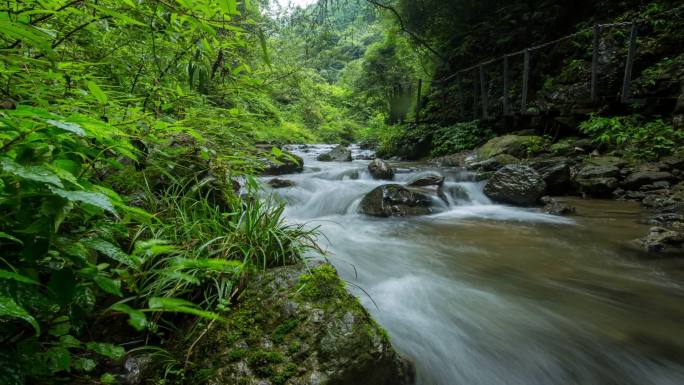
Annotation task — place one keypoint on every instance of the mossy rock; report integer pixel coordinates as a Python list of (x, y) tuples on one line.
[(300, 326), (515, 145)]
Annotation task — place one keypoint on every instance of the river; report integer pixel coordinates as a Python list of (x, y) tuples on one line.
[(486, 294)]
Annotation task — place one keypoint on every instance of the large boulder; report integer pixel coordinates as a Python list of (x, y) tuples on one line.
[(508, 144), (337, 154), (516, 184), (426, 178), (641, 178), (556, 174), (598, 179), (299, 325), (380, 170), (494, 163), (393, 200), (285, 163)]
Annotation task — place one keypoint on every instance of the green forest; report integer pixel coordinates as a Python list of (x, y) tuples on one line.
[(341, 192)]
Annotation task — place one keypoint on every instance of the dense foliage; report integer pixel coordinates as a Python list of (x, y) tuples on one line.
[(122, 128)]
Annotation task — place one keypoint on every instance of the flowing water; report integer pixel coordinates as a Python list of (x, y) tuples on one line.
[(488, 294)]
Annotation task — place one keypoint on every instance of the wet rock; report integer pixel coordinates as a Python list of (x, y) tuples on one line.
[(364, 157), (662, 240), (393, 200), (330, 339), (427, 178), (235, 185), (494, 163), (381, 170), (660, 185), (286, 163), (337, 154), (641, 178), (136, 369), (585, 145), (634, 195), (598, 180), (673, 162), (455, 160), (555, 207), (606, 161), (508, 144), (516, 184), (665, 219), (281, 183), (482, 176), (556, 174)]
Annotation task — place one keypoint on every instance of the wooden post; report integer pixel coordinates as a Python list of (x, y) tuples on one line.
[(420, 87), (461, 96), (483, 93), (630, 64), (506, 107), (594, 64), (526, 81), (474, 96)]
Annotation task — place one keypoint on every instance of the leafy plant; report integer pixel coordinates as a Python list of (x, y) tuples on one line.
[(460, 137), (638, 137)]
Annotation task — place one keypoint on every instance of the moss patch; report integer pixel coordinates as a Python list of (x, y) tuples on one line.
[(322, 283)]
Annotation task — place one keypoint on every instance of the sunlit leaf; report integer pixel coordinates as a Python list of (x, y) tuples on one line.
[(32, 173), (9, 308), (92, 198)]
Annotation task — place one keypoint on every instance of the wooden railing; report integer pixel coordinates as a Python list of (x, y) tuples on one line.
[(479, 73)]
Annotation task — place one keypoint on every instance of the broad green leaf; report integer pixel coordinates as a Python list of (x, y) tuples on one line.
[(33, 173), (110, 250), (84, 365), (277, 152), (9, 275), (69, 341), (97, 92), (11, 238), (59, 359), (176, 305), (108, 285), (136, 318), (9, 308), (66, 126), (27, 34), (108, 379), (88, 197), (112, 351)]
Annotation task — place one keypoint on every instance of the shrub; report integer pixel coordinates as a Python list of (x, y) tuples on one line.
[(639, 138), (460, 137)]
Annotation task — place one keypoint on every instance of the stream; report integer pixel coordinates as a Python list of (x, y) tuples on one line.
[(486, 294)]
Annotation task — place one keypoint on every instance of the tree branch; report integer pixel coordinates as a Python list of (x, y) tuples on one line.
[(402, 26)]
